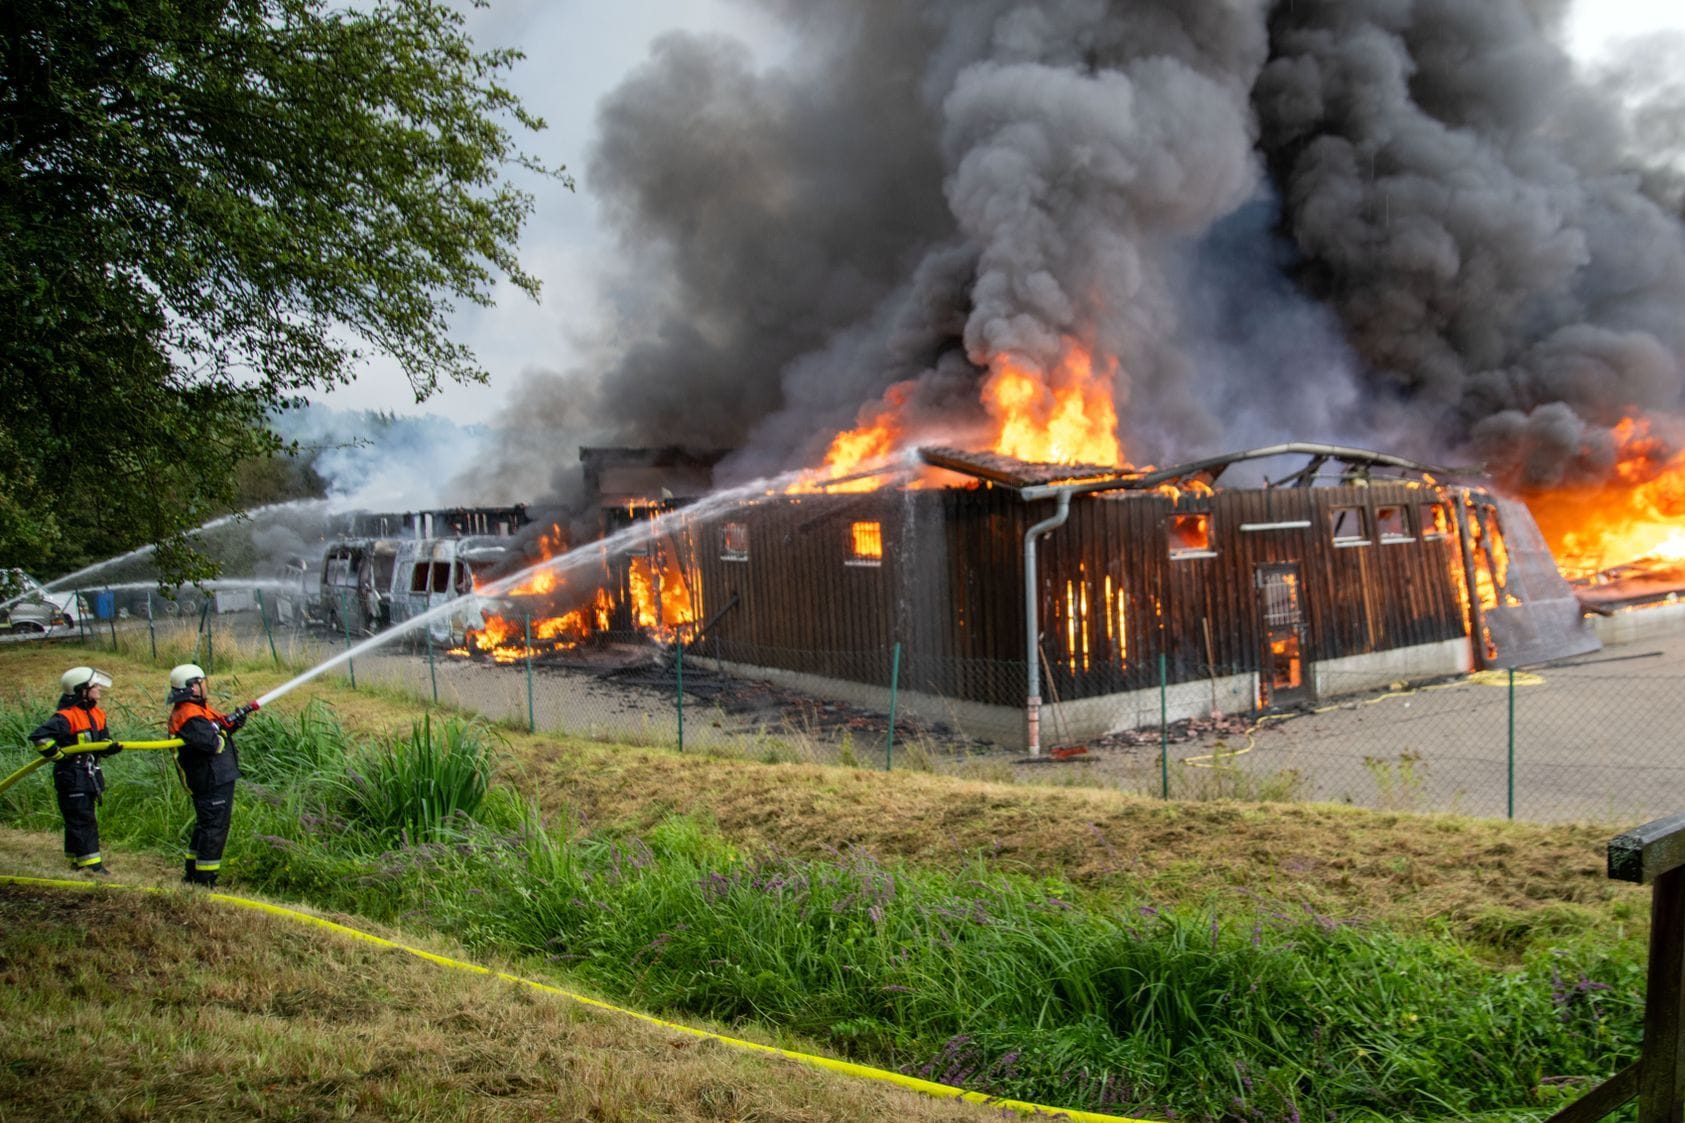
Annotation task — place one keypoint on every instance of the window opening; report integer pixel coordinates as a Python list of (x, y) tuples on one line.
[(1190, 536), (1436, 520), (865, 543), (1393, 523), (1349, 525), (734, 542)]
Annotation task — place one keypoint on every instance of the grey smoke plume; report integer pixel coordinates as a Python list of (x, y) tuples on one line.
[(1407, 223), (1461, 200)]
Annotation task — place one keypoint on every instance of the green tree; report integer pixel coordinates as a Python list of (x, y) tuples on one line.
[(210, 206)]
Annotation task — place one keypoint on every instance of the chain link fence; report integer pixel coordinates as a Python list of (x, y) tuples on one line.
[(1590, 739)]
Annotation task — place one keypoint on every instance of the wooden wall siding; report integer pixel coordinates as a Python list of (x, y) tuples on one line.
[(950, 588), (802, 607)]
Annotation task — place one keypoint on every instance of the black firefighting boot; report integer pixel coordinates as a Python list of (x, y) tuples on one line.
[(188, 872)]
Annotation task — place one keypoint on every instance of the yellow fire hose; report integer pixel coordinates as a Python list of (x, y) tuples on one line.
[(90, 747)]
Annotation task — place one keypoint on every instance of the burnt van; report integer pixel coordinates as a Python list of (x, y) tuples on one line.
[(356, 584), (431, 572)]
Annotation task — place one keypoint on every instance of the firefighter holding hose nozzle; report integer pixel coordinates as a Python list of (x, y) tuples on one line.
[(209, 766), (77, 779)]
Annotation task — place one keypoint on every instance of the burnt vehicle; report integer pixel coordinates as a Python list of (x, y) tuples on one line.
[(386, 569), (431, 572)]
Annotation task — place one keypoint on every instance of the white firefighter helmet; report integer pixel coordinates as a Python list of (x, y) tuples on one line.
[(184, 674), (77, 677)]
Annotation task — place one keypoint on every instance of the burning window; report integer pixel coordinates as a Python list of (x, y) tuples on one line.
[(1436, 520), (865, 543), (734, 542), (1393, 523), (1190, 536), (1350, 526)]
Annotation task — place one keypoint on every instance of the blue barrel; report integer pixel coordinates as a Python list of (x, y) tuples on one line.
[(105, 604)]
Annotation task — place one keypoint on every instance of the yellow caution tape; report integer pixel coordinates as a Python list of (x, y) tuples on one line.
[(847, 1068)]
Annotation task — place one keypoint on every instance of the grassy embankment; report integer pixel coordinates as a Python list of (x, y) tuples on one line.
[(1072, 946)]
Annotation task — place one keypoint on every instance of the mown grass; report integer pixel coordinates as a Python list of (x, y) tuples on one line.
[(124, 1006), (1019, 985)]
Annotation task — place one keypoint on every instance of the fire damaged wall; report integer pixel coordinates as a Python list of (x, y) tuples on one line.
[(1261, 582)]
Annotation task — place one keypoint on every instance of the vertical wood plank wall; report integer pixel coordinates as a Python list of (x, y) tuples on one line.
[(950, 587)]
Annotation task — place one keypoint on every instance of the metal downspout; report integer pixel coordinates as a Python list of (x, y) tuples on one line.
[(1032, 623)]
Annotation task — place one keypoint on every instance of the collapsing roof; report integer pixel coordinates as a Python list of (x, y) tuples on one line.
[(1356, 464)]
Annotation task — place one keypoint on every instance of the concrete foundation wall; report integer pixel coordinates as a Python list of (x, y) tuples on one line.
[(1636, 625), (1333, 677), (1090, 718), (1087, 718)]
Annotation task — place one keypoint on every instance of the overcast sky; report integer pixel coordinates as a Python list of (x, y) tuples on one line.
[(577, 51)]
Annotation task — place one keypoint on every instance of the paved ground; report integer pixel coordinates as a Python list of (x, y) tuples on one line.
[(1596, 739)]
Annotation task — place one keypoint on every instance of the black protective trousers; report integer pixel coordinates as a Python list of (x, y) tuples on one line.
[(213, 809), (80, 809), (78, 788)]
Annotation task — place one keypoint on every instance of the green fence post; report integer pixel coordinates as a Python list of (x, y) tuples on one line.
[(263, 615), (113, 597), (1512, 742), (151, 626), (345, 626), (679, 665), (532, 723), (1163, 728), (432, 671), (894, 684)]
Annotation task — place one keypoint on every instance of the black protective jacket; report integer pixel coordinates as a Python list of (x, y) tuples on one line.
[(207, 756), (75, 722)]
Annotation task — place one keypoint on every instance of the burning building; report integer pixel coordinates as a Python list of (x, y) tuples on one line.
[(1036, 596), (1030, 602)]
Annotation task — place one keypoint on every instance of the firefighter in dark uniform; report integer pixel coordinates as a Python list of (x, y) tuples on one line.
[(77, 778), (208, 764)]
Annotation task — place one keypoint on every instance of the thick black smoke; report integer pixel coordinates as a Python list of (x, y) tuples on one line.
[(1406, 223), (1463, 202)]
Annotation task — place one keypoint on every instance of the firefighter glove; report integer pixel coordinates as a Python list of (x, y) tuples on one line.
[(111, 750), (49, 750), (238, 718)]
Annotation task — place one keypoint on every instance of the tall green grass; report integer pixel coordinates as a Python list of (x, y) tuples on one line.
[(1008, 985), (422, 788)]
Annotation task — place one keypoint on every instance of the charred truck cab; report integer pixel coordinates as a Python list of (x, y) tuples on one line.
[(431, 572), (357, 584), (385, 569)]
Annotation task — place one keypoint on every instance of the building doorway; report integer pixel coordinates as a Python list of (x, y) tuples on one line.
[(1281, 665)]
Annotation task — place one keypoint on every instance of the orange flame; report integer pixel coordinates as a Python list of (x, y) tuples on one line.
[(658, 594), (1638, 517), (1060, 416), (661, 600), (1066, 417), (545, 581), (868, 539)]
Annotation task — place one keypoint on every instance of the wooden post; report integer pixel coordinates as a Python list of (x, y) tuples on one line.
[(1654, 855)]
